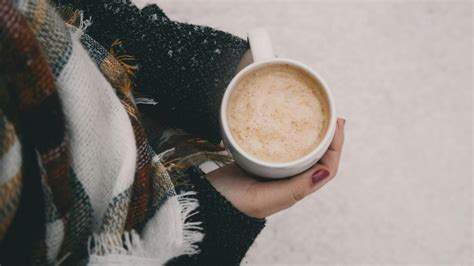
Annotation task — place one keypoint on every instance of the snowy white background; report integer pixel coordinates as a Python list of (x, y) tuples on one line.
[(401, 72)]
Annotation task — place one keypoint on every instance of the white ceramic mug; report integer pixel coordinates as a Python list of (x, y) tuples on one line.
[(263, 56)]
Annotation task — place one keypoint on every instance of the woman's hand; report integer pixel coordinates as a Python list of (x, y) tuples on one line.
[(260, 199)]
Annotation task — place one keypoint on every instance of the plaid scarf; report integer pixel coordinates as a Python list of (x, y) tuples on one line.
[(79, 182)]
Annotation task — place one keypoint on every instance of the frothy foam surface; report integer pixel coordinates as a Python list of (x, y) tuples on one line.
[(278, 113)]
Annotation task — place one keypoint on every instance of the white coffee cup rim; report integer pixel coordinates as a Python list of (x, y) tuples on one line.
[(274, 61)]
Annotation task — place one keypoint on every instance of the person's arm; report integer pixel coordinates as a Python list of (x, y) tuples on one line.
[(229, 233), (229, 197), (185, 68)]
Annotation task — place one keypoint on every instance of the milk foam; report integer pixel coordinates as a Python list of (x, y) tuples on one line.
[(278, 113)]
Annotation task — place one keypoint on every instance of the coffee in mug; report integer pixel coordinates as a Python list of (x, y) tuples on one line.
[(278, 113)]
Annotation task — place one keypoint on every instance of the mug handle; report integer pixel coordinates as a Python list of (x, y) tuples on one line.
[(260, 45)]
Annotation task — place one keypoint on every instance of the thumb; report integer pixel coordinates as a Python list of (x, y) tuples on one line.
[(282, 194)]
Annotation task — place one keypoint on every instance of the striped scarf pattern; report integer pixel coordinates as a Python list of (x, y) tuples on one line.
[(78, 178)]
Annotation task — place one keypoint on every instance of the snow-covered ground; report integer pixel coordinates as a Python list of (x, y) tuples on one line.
[(402, 77)]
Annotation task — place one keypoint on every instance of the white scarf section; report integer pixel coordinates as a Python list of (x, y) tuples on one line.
[(104, 157)]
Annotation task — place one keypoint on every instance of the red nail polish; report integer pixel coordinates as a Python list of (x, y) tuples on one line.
[(319, 175)]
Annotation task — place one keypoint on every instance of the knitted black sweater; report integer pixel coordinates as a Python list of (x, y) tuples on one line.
[(185, 68), (228, 232)]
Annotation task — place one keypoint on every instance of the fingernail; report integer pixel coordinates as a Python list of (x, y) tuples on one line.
[(319, 175), (341, 121)]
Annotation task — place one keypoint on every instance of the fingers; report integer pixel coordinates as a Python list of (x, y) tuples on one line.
[(338, 139), (333, 154), (282, 194)]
